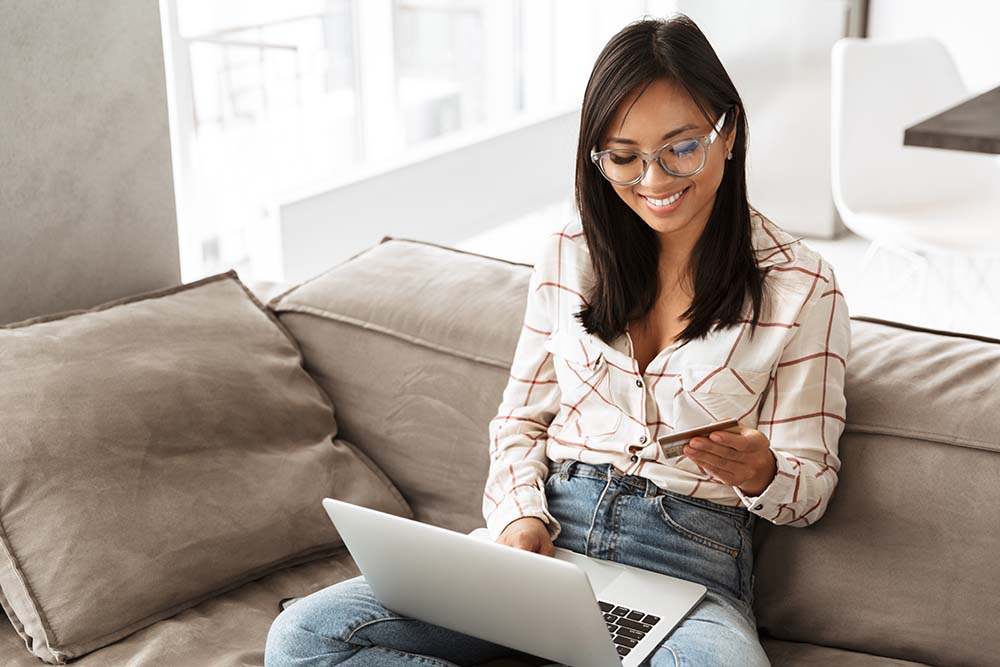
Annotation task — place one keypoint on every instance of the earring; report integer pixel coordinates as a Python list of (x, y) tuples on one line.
[(730, 156)]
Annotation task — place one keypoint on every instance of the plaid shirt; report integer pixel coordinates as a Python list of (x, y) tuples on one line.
[(570, 395)]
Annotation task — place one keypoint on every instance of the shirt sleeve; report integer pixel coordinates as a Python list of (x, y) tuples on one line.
[(803, 410), (515, 486)]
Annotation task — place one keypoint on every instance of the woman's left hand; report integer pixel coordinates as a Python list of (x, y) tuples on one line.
[(743, 460)]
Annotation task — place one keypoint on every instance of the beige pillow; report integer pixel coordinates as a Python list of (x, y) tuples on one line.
[(154, 452)]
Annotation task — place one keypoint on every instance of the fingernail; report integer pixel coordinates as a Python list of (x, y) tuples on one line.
[(715, 437)]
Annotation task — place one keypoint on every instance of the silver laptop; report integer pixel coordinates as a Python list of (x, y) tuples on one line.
[(572, 609)]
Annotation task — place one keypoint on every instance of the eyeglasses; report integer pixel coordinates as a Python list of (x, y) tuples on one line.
[(685, 157)]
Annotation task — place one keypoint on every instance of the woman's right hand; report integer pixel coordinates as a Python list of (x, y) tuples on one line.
[(528, 533)]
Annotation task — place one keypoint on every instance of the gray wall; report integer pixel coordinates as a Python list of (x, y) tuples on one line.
[(86, 193)]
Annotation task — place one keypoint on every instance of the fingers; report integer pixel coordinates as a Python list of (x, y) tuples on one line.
[(737, 441), (720, 456)]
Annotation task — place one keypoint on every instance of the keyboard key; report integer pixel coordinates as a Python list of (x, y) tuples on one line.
[(610, 618), (650, 619), (621, 611), (623, 650), (612, 628), (624, 641), (631, 634), (635, 615), (641, 627), (605, 606)]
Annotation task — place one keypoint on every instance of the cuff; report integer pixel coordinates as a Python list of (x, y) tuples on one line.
[(530, 502), (778, 492)]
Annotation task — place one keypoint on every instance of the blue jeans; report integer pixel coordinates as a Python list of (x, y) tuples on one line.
[(604, 514)]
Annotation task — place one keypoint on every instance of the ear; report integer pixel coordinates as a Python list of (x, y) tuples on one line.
[(731, 137)]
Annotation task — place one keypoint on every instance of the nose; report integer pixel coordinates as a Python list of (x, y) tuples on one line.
[(656, 178)]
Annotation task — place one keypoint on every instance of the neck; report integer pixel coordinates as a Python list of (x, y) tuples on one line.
[(676, 252)]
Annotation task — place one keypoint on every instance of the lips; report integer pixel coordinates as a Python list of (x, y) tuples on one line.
[(663, 196), (667, 203)]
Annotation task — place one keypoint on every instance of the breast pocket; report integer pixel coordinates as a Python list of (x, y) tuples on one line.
[(588, 403), (724, 393)]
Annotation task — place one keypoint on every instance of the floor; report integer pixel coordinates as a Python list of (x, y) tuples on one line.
[(940, 292)]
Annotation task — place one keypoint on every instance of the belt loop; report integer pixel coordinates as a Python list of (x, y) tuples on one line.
[(564, 469)]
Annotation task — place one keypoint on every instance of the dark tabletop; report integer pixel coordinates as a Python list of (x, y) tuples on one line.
[(973, 125)]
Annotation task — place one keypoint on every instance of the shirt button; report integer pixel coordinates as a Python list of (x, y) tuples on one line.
[(642, 440), (638, 383), (634, 458), (759, 507)]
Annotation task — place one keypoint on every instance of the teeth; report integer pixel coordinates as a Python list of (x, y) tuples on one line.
[(667, 201)]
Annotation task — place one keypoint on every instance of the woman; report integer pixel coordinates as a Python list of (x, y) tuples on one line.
[(669, 305)]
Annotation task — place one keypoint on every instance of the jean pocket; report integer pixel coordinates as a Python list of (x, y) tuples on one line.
[(702, 525)]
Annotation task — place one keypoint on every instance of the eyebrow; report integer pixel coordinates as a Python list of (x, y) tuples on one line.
[(682, 128)]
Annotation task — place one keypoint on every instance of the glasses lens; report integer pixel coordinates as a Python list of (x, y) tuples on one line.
[(621, 166), (684, 157)]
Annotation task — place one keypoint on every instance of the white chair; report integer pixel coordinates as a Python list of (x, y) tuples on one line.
[(923, 202)]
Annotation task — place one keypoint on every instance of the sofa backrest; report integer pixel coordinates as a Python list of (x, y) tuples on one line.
[(414, 341), (904, 562)]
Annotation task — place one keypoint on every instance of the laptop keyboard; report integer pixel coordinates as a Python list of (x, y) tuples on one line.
[(627, 626)]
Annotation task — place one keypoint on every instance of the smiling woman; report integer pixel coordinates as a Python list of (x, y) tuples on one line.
[(694, 204), (669, 305)]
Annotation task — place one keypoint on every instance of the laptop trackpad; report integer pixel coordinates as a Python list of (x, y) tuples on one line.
[(601, 573)]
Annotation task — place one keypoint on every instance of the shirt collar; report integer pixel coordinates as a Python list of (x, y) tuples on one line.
[(772, 245)]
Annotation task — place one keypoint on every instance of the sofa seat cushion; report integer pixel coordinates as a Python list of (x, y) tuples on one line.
[(230, 630), (224, 631), (799, 654)]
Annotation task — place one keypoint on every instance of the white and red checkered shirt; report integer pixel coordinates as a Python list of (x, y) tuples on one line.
[(572, 396)]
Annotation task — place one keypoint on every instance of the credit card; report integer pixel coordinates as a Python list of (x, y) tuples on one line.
[(673, 443)]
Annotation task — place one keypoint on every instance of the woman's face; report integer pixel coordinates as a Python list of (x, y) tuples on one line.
[(665, 112)]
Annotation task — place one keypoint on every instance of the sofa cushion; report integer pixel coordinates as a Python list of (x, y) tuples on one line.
[(157, 451), (415, 363), (228, 630), (904, 561), (800, 654)]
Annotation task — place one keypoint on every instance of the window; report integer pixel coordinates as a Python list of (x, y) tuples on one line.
[(269, 98)]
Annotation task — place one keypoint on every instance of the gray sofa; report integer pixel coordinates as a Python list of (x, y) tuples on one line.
[(413, 343)]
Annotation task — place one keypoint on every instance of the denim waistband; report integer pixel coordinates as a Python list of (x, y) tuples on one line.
[(570, 468)]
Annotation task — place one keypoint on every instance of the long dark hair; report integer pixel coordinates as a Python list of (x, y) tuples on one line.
[(624, 250)]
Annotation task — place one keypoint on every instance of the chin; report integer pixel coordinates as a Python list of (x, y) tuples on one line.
[(666, 226), (663, 224)]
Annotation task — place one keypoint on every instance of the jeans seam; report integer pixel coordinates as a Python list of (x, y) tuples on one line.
[(421, 657), (615, 527), (677, 659), (350, 635), (593, 517)]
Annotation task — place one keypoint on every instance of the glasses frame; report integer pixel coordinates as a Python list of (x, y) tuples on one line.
[(708, 140)]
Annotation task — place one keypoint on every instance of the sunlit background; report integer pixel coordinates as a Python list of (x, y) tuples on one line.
[(273, 98), (305, 131)]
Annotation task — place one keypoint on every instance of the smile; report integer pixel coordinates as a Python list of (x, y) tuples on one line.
[(667, 203)]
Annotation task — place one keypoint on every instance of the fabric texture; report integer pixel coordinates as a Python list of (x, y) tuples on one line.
[(571, 395), (157, 451)]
